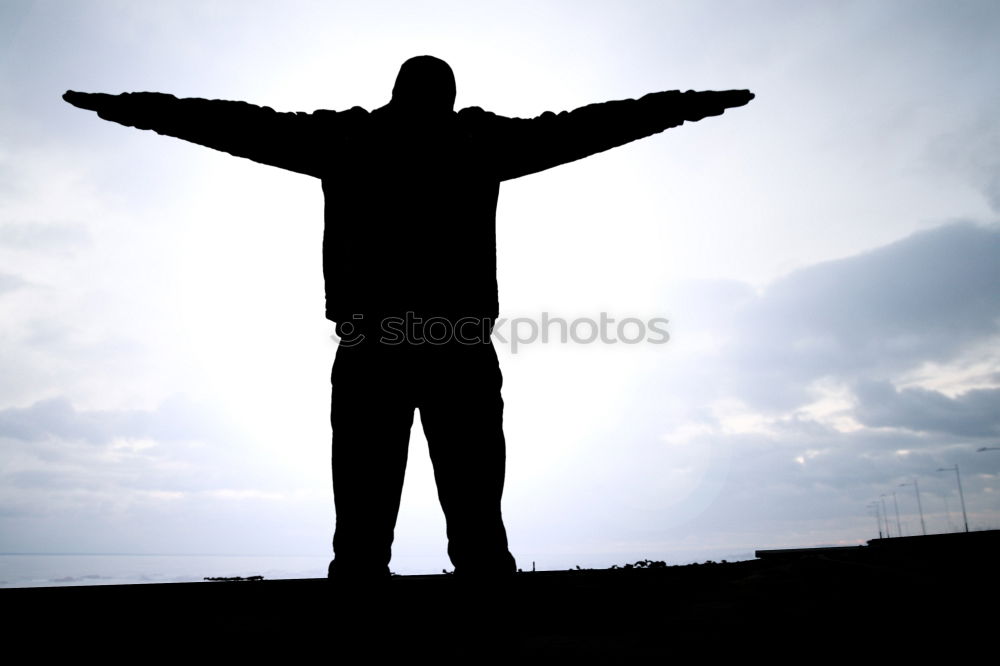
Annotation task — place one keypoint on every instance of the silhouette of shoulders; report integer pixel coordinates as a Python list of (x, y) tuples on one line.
[(306, 142)]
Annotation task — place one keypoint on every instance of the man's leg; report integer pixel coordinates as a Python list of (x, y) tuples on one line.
[(371, 414), (462, 414)]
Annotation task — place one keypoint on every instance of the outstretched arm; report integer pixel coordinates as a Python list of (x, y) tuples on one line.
[(526, 146), (286, 140)]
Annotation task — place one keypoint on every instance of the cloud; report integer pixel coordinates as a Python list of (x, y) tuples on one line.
[(9, 282), (61, 458), (176, 419), (973, 149), (45, 237), (975, 413), (926, 298), (841, 335), (779, 409)]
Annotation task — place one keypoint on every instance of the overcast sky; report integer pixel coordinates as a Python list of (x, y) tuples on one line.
[(828, 258)]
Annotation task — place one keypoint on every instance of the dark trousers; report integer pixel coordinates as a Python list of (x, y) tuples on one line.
[(456, 387)]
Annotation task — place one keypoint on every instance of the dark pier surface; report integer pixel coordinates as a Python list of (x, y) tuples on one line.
[(893, 596)]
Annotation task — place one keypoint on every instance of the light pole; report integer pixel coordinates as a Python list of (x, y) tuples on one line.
[(961, 495), (899, 526), (920, 508), (885, 516), (878, 520)]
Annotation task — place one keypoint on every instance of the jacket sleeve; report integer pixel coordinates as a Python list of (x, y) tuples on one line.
[(290, 141), (525, 146)]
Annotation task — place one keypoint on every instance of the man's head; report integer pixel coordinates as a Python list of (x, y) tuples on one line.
[(425, 84)]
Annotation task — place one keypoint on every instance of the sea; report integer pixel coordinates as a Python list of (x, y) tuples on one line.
[(55, 570), (62, 569)]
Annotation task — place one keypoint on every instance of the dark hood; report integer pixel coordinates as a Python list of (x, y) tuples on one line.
[(424, 85)]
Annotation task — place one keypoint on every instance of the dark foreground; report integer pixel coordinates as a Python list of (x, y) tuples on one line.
[(901, 596)]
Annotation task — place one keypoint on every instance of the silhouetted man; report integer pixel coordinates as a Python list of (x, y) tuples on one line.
[(409, 259)]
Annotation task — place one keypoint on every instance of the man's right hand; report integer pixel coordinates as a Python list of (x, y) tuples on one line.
[(88, 101)]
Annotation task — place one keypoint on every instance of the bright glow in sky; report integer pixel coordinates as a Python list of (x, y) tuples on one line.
[(827, 258)]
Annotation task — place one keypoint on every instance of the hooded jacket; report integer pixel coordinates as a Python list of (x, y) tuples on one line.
[(410, 188)]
